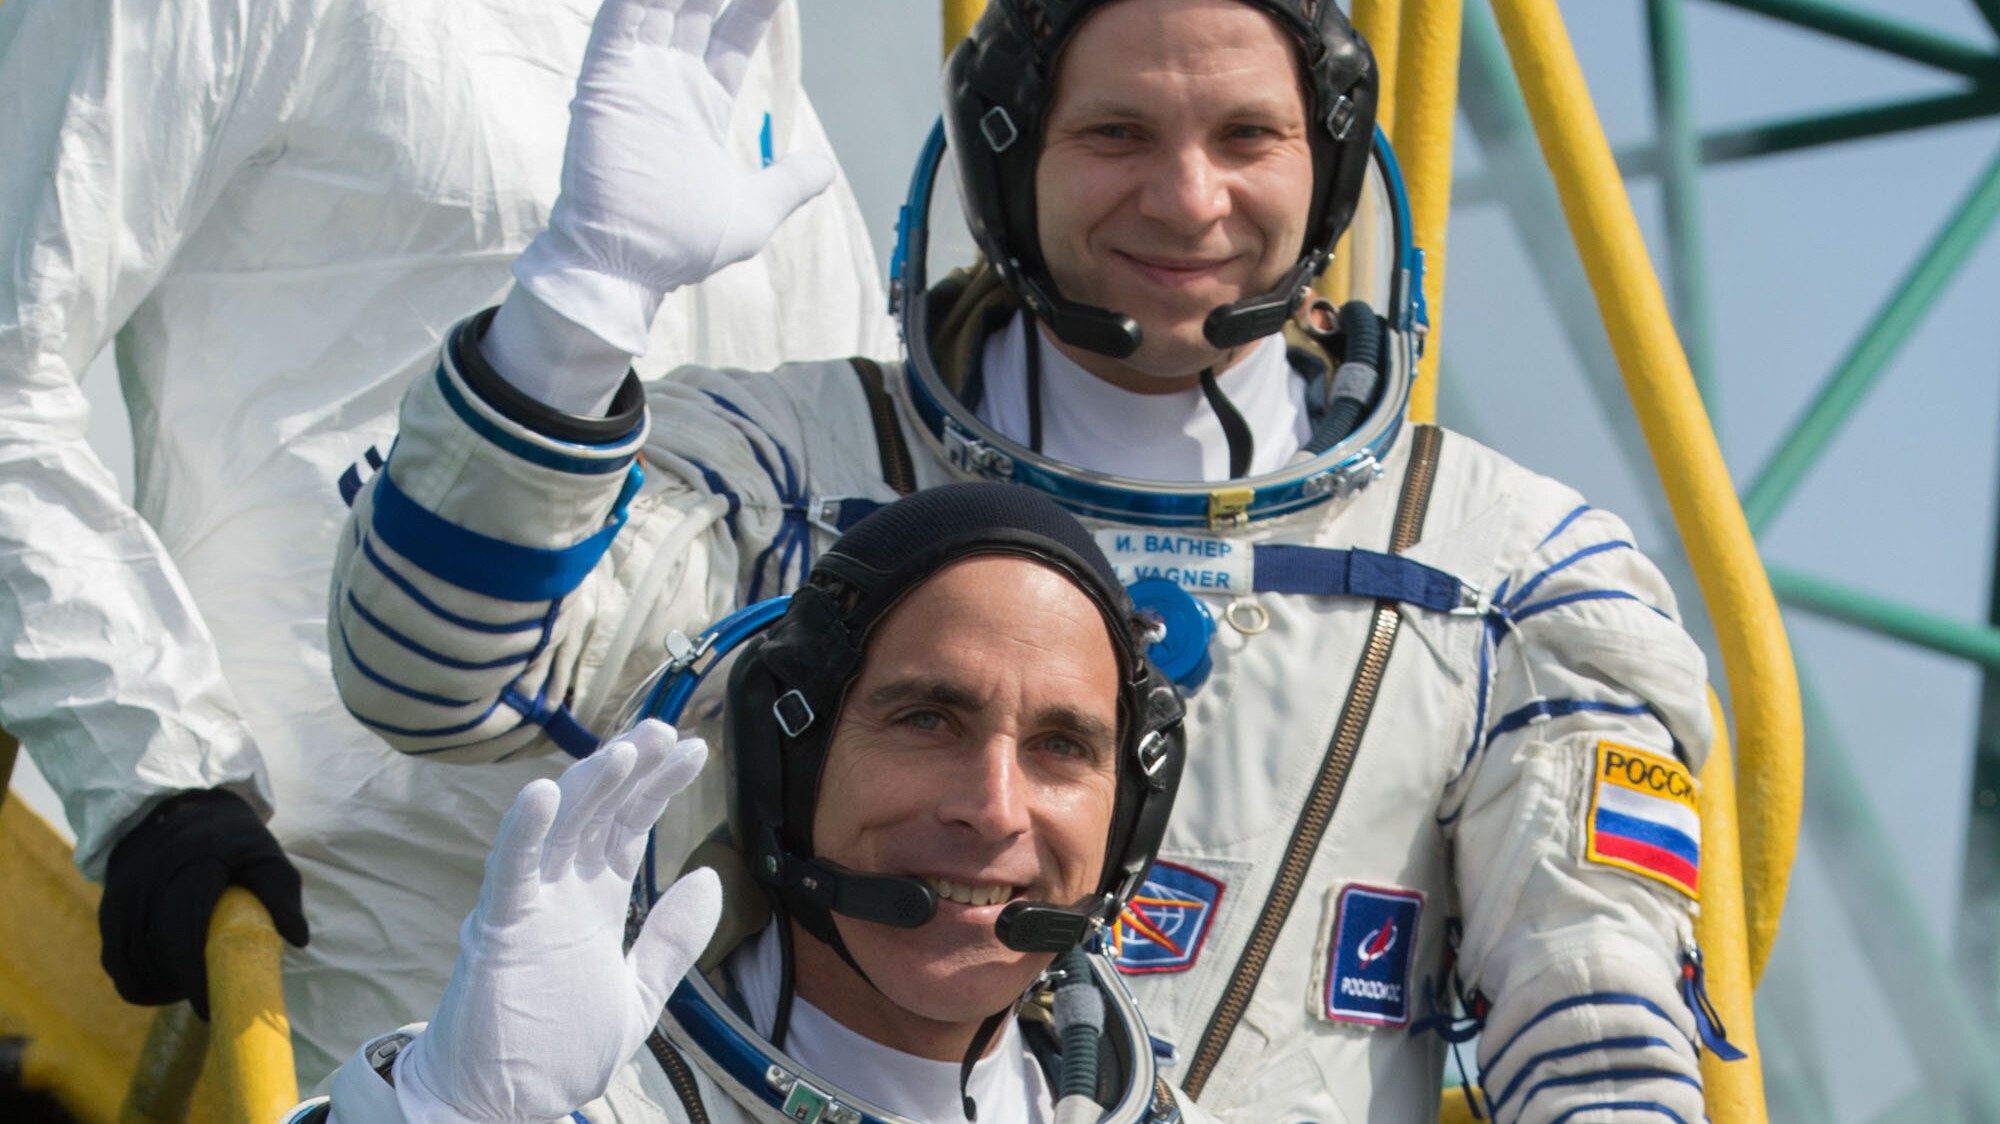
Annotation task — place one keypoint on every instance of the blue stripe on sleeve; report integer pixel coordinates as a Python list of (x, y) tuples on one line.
[(527, 450), (435, 657), (440, 612), (1593, 999), (1558, 708), (419, 732), (483, 564), (1635, 1042), (1652, 1107), (387, 683), (1646, 831), (1631, 1073)]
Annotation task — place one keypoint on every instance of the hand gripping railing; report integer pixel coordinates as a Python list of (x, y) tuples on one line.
[(248, 1039)]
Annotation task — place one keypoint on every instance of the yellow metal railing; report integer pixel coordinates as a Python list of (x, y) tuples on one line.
[(1756, 655), (108, 1061), (250, 1037), (1426, 83), (1734, 1091), (959, 16)]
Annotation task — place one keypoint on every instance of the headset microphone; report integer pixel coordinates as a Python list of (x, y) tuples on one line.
[(1041, 927), (885, 899)]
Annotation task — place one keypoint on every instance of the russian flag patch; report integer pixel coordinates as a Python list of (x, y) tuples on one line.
[(1643, 817)]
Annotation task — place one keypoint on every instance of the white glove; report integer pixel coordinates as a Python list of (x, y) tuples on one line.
[(652, 197), (544, 1005)]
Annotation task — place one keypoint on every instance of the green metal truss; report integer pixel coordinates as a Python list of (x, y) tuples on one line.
[(1948, 1012)]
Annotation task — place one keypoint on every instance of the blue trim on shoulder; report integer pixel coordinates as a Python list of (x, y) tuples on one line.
[(1562, 526), (1541, 607), (410, 590), (1535, 582), (483, 564), (1487, 644), (1559, 708), (720, 487), (794, 537), (1593, 999), (1633, 1042), (527, 450)]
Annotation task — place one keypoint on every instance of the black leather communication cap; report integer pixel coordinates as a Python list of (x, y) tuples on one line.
[(786, 692)]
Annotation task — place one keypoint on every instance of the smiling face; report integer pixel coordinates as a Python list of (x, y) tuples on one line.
[(977, 751), (1175, 175)]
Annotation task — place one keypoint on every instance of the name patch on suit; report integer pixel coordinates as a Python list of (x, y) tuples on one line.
[(1196, 563), (1371, 954), (1163, 927), (1643, 817)]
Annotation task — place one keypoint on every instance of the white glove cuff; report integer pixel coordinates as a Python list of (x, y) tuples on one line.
[(617, 310), (551, 358)]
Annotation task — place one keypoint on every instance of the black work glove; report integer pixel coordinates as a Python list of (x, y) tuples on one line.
[(162, 884)]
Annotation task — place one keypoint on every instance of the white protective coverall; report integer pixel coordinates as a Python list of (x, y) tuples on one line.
[(709, 1058), (278, 207), (1471, 817)]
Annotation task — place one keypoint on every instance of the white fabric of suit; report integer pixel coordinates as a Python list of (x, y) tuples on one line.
[(277, 207), (1472, 786), (642, 1092)]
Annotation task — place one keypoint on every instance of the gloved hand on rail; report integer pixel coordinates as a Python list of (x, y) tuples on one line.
[(161, 885), (652, 196), (544, 1003)]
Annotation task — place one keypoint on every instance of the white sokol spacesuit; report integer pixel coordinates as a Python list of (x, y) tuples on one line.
[(279, 206), (1443, 719), (711, 1059), (1018, 758)]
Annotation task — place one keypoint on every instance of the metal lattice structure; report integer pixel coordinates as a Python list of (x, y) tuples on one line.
[(1945, 1009)]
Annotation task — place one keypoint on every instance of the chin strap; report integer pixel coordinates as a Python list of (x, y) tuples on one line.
[(781, 1022), (1034, 365), (1236, 431), (981, 1038), (1242, 444)]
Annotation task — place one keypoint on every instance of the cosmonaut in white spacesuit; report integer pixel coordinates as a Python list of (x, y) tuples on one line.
[(1444, 720), (951, 765), (279, 207)]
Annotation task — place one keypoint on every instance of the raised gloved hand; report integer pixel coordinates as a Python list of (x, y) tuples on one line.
[(652, 197), (161, 885), (544, 1004)]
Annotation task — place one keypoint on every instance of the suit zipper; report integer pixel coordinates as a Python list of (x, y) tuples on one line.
[(679, 1076), (1325, 795)]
